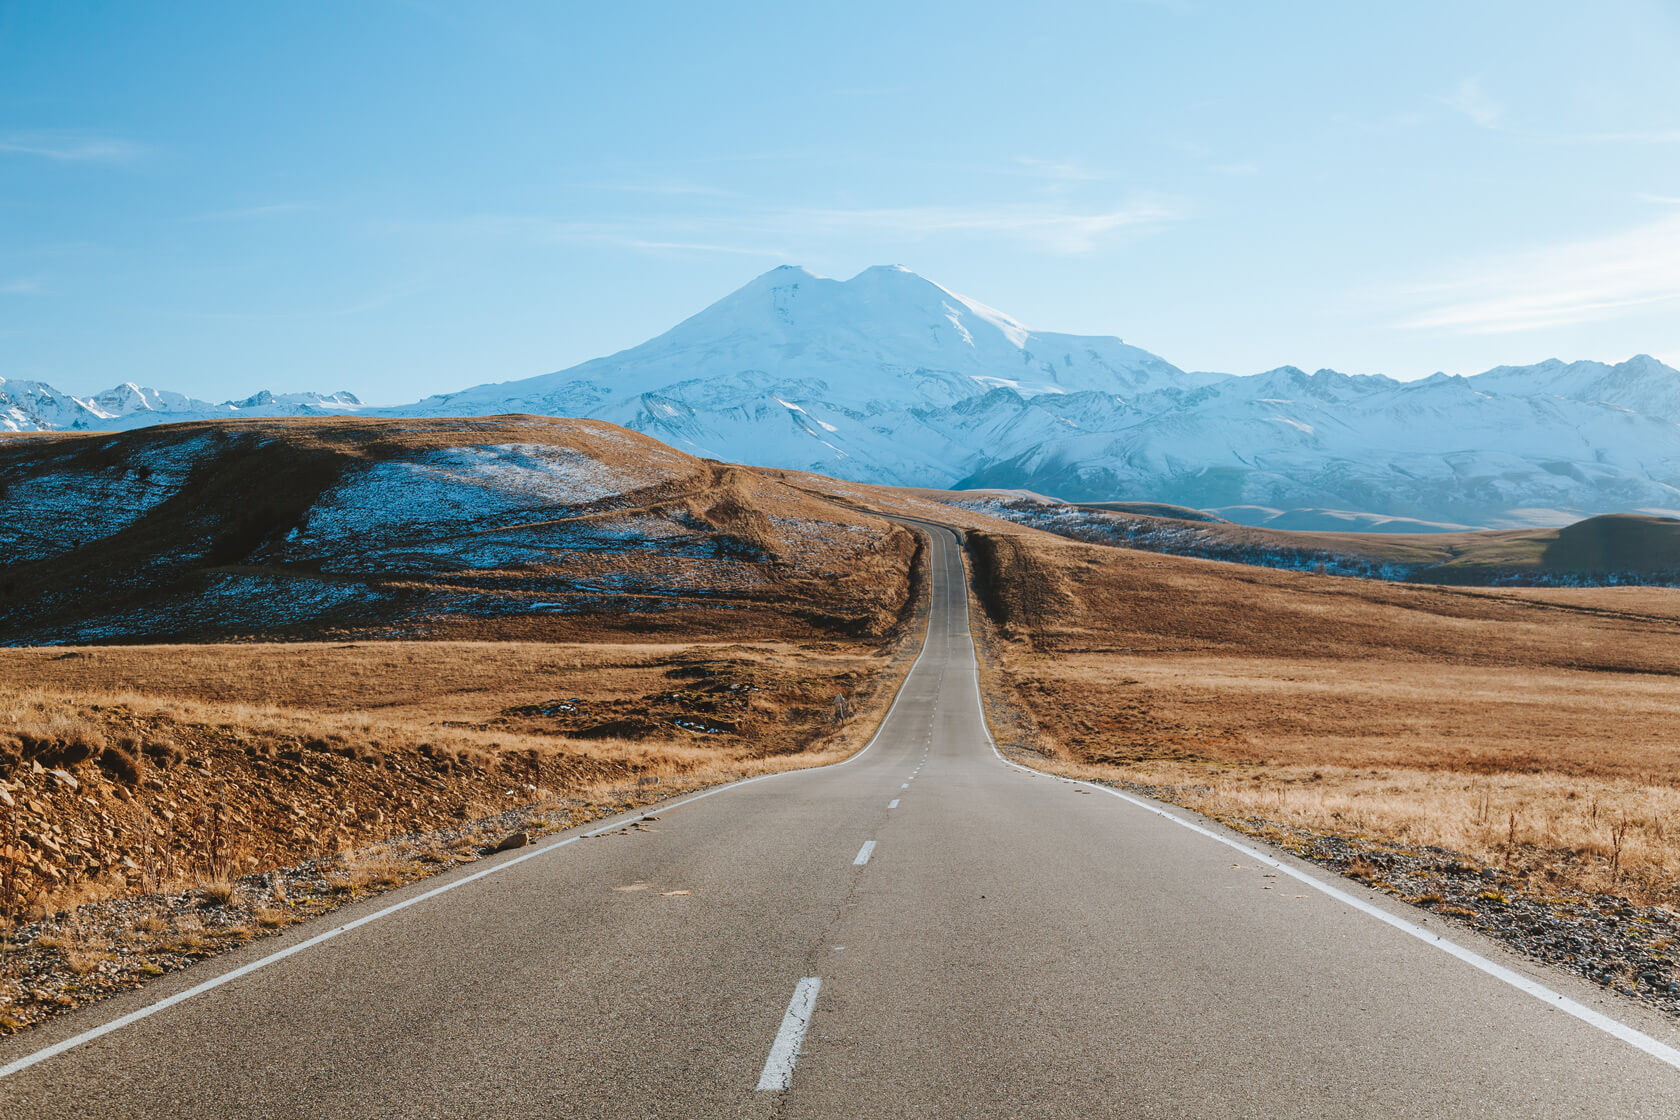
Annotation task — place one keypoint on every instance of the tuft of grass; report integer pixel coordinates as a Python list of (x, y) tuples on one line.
[(1361, 868), (269, 918), (219, 892)]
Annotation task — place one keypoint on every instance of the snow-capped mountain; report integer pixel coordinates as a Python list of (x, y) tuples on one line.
[(888, 377), (866, 379), (31, 406), (1442, 449)]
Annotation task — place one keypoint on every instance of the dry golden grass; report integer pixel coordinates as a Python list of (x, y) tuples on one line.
[(1534, 729), (232, 759), (417, 684)]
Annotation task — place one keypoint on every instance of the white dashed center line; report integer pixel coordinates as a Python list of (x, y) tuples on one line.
[(864, 853), (778, 1068), (893, 804)]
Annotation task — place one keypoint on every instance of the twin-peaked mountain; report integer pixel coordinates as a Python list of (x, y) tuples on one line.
[(888, 377), (885, 377)]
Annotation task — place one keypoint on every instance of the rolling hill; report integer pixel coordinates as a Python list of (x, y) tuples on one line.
[(505, 527), (1609, 549)]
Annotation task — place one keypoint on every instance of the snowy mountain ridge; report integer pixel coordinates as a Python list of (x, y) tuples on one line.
[(29, 406), (888, 377)]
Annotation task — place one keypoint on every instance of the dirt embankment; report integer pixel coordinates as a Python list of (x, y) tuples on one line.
[(1022, 595)]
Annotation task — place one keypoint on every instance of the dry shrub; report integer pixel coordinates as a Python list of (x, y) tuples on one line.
[(120, 761), (219, 892), (161, 751)]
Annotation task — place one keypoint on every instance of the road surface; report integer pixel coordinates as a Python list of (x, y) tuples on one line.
[(922, 931)]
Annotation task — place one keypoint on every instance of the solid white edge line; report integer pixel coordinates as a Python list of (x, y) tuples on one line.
[(17, 1065), (778, 1067), (864, 853), (1661, 1051)]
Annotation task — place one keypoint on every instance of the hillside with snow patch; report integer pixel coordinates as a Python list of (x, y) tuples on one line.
[(507, 527)]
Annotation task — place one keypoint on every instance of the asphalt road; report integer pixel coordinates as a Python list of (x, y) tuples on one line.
[(956, 938)]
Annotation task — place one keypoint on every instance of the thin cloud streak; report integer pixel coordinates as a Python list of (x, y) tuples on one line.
[(1053, 228), (1058, 229), (1584, 281), (672, 189), (247, 213), (70, 149), (1651, 136)]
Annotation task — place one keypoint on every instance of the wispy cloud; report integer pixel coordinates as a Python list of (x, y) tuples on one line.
[(651, 236), (254, 213), (1054, 227), (1576, 282), (1641, 136), (1062, 170), (23, 287), (70, 148), (670, 188), (1474, 102), (783, 232)]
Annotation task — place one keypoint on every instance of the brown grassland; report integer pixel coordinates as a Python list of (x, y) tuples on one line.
[(179, 772), (1532, 729), (305, 748)]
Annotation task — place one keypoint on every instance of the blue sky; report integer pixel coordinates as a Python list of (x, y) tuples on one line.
[(400, 198)]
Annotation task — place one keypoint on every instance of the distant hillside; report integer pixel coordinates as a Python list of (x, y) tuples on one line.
[(497, 527), (1605, 550)]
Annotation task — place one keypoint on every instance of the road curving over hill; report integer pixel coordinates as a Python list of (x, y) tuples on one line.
[(922, 931)]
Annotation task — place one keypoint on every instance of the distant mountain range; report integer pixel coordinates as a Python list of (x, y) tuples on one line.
[(35, 406), (888, 377)]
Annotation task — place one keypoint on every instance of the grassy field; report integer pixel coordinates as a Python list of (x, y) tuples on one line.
[(1611, 548), (226, 791), (1531, 729), (192, 763)]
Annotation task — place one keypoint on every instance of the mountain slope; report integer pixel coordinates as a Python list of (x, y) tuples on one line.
[(852, 378), (1434, 450)]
